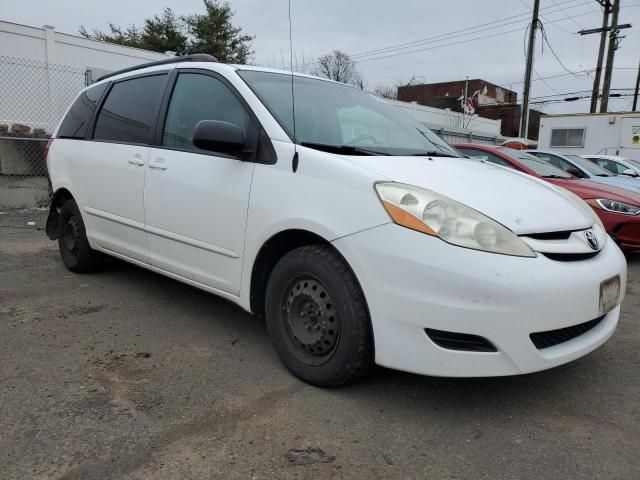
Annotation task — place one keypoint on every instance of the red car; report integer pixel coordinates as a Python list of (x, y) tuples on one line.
[(618, 209)]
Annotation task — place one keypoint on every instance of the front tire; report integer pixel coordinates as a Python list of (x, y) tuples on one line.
[(317, 317), (77, 255)]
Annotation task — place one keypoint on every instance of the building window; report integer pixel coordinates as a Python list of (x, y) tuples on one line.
[(567, 137)]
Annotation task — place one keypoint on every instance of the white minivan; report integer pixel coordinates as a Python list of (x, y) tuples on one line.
[(359, 234)]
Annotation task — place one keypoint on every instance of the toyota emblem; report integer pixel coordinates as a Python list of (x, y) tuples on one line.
[(591, 240)]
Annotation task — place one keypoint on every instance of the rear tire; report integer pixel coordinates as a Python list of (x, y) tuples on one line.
[(317, 317), (77, 255)]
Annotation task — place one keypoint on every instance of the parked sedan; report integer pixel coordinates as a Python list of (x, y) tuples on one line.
[(616, 165), (618, 209), (583, 168)]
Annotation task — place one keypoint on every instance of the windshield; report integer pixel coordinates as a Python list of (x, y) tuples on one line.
[(342, 119), (634, 163), (589, 166), (542, 168)]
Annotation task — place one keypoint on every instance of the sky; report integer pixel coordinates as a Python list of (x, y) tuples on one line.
[(394, 41)]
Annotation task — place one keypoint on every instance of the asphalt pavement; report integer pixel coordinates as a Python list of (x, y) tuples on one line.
[(126, 374)]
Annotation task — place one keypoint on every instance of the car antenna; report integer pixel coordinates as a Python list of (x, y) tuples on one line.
[(294, 160)]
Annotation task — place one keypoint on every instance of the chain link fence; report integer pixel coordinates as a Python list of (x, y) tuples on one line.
[(33, 97)]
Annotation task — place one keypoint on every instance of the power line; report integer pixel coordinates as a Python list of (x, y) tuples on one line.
[(564, 13), (546, 40), (545, 18), (400, 49), (438, 46), (585, 72), (467, 31), (574, 99)]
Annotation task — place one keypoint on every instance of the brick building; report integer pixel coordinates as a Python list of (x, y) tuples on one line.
[(489, 101)]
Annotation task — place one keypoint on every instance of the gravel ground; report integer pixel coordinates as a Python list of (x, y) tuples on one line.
[(126, 374)]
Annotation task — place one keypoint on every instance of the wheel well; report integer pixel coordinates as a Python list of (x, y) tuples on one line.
[(271, 252), (61, 196)]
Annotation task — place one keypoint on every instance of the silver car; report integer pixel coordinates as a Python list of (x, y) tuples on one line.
[(583, 168), (616, 165)]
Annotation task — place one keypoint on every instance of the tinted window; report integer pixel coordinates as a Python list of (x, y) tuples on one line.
[(199, 97), (560, 163), (635, 163), (77, 121), (610, 165), (486, 156), (130, 110), (588, 166), (542, 168)]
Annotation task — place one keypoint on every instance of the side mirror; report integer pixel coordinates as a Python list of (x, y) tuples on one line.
[(575, 172), (630, 172), (216, 136)]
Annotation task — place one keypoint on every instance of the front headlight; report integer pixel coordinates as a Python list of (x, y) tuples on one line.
[(614, 206), (434, 214)]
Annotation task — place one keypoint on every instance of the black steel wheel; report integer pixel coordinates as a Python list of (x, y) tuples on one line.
[(312, 322), (317, 317), (77, 255), (72, 235)]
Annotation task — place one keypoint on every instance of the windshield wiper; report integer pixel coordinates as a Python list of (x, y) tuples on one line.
[(603, 175), (342, 149), (557, 176), (432, 153)]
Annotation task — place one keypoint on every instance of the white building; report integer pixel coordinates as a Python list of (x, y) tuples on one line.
[(42, 70), (591, 133), (46, 45), (449, 124)]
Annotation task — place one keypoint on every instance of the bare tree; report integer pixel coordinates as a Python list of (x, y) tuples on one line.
[(385, 91), (340, 67)]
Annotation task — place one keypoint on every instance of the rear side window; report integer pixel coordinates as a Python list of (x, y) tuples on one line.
[(77, 121), (199, 97), (130, 110)]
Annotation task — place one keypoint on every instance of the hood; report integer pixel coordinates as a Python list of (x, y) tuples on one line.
[(518, 201), (631, 184), (589, 189)]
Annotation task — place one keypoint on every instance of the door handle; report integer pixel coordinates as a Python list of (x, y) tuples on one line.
[(136, 160), (158, 164)]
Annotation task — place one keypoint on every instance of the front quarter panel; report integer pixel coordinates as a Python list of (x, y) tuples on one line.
[(327, 195)]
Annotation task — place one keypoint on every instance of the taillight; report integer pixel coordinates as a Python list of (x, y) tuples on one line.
[(46, 150)]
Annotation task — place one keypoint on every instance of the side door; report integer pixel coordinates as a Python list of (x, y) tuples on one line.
[(196, 201), (112, 167)]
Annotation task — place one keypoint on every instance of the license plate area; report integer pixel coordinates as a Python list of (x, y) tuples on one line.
[(609, 295)]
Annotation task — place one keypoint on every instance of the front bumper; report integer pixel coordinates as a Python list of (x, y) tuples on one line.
[(413, 281)]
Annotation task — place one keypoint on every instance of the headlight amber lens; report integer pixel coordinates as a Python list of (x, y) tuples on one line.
[(434, 214)]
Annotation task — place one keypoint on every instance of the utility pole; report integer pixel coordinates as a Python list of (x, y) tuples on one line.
[(606, 10), (524, 117), (464, 101), (635, 95), (613, 45)]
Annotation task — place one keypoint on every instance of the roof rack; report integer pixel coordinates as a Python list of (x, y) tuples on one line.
[(196, 57)]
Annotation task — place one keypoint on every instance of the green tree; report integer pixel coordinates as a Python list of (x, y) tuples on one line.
[(164, 32), (130, 36), (210, 32)]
